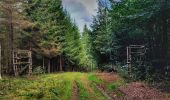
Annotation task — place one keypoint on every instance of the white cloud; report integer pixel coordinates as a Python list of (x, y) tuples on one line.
[(81, 10), (91, 5)]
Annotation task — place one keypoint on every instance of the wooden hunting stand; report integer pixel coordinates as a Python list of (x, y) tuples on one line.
[(138, 50), (22, 60)]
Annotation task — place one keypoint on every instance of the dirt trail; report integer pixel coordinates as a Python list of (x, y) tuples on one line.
[(75, 91), (107, 77), (132, 91), (86, 84), (104, 92)]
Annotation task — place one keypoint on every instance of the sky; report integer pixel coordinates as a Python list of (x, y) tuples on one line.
[(82, 11)]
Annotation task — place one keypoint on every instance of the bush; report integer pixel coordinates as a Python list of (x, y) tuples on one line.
[(94, 79), (107, 67), (122, 70), (111, 87), (38, 70), (167, 73)]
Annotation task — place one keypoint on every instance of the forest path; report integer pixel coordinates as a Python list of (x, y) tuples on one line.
[(73, 86), (60, 86), (117, 89)]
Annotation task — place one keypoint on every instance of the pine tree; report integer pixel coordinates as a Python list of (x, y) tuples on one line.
[(88, 61), (141, 23), (72, 45), (58, 37), (101, 34), (11, 15)]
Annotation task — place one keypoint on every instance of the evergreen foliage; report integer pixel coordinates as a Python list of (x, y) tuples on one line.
[(45, 28), (135, 22)]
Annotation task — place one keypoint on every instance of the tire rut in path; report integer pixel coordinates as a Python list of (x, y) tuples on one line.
[(75, 91), (103, 92)]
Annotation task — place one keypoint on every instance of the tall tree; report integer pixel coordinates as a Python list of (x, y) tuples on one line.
[(13, 21), (101, 33), (87, 60)]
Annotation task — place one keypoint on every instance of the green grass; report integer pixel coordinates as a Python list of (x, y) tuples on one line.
[(83, 93), (49, 87), (88, 91), (111, 87), (94, 79), (116, 84)]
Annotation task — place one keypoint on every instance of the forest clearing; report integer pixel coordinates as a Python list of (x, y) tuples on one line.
[(84, 49)]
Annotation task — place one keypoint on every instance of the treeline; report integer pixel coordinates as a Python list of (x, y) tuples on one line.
[(45, 28), (134, 22)]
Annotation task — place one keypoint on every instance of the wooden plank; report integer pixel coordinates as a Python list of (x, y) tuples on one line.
[(127, 49), (136, 46)]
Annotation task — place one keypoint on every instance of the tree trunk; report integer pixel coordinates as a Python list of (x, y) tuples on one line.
[(49, 65), (61, 69), (11, 35), (0, 63), (43, 65), (52, 65), (73, 68)]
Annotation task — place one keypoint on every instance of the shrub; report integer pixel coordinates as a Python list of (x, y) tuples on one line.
[(111, 87), (38, 70), (94, 79), (107, 67), (122, 70)]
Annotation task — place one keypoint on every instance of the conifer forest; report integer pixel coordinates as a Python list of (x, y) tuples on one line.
[(66, 50)]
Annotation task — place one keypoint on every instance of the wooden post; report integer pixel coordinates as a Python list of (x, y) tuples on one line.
[(30, 63), (14, 55), (127, 49), (0, 63), (129, 60)]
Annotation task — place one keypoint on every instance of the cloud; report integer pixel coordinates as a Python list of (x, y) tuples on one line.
[(81, 11)]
